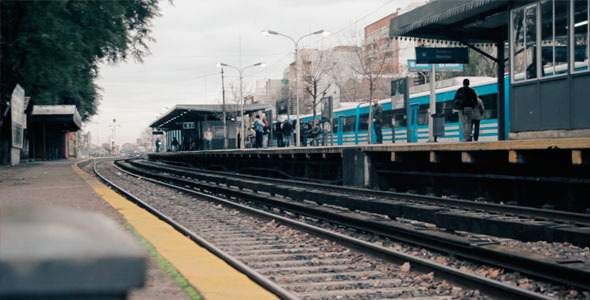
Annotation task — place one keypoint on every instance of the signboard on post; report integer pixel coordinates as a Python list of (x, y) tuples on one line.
[(18, 116), (442, 55), (327, 108), (413, 66), (283, 107), (400, 99)]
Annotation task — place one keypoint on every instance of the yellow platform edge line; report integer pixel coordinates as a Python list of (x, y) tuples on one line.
[(210, 275)]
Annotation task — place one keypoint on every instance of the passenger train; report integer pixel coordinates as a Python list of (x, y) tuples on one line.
[(350, 126)]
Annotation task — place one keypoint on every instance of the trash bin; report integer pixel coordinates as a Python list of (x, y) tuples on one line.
[(438, 125)]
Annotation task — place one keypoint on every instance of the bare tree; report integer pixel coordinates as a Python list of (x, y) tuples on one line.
[(315, 77), (375, 58)]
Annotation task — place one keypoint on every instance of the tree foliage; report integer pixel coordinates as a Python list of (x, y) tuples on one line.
[(53, 48)]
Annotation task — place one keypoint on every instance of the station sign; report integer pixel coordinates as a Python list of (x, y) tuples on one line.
[(442, 55), (157, 132), (414, 66), (188, 125)]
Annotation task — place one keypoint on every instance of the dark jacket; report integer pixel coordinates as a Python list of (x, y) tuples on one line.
[(377, 113), (465, 97), (287, 128)]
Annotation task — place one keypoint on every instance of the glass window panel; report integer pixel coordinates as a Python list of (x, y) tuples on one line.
[(547, 45), (386, 119), (518, 33), (399, 117), (423, 114), (561, 37), (363, 122), (335, 125), (530, 19), (349, 123), (581, 35)]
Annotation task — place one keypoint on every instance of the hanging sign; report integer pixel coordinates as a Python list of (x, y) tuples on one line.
[(442, 55)]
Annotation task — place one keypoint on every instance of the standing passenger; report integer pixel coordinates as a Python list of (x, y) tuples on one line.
[(477, 115), (259, 128), (465, 100), (287, 131), (266, 132), (208, 138), (174, 144), (377, 116)]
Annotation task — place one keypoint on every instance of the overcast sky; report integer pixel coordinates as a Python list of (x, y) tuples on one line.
[(192, 36)]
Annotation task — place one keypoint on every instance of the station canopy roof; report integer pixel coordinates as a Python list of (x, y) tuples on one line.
[(65, 117), (473, 21), (181, 113)]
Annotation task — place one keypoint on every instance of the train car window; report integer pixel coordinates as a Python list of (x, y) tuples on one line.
[(386, 119), (363, 125), (348, 123), (446, 108), (423, 114), (490, 102), (335, 125), (399, 118)]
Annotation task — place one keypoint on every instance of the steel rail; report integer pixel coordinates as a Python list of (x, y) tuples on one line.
[(488, 286), (251, 273), (553, 270), (553, 215)]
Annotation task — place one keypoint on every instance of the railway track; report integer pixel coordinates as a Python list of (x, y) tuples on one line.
[(299, 267)]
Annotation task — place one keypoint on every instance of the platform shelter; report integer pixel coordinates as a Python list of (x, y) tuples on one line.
[(544, 42), (49, 133), (187, 124)]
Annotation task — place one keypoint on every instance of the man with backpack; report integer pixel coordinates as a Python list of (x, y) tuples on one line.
[(465, 101), (259, 128)]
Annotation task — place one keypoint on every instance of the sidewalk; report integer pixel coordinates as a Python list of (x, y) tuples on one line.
[(56, 183)]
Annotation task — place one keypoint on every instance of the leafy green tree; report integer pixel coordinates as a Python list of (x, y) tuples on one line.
[(53, 48)]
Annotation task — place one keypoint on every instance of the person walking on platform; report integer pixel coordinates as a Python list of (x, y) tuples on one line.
[(174, 144), (377, 116), (287, 131), (465, 100), (259, 128), (208, 138), (477, 115)]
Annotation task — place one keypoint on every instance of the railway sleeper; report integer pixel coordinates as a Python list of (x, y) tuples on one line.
[(524, 229)]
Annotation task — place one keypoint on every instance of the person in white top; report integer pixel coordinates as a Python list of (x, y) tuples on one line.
[(476, 117), (208, 138)]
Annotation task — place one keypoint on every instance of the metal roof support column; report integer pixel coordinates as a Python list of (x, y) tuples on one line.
[(501, 104)]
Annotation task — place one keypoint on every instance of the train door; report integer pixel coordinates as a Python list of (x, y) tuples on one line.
[(339, 134), (413, 124)]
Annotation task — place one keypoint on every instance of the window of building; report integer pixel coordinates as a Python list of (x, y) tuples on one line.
[(580, 35)]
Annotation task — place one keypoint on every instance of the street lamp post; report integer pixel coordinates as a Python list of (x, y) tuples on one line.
[(297, 72), (241, 71)]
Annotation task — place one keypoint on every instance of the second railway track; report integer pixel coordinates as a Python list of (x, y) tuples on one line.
[(287, 258)]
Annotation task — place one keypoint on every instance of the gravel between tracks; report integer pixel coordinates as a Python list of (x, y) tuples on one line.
[(176, 204)]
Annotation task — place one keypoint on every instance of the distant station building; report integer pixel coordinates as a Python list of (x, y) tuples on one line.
[(187, 125), (547, 49), (52, 131)]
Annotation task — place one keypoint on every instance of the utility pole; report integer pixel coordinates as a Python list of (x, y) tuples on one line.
[(224, 116)]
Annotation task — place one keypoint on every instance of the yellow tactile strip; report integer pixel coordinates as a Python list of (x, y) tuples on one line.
[(211, 276)]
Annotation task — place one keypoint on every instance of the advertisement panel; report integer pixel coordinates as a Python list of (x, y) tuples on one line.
[(18, 116)]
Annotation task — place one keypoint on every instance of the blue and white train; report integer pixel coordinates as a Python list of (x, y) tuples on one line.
[(350, 124)]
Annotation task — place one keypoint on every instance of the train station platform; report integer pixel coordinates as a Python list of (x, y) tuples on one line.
[(58, 185), (463, 169)]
